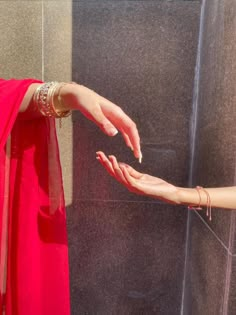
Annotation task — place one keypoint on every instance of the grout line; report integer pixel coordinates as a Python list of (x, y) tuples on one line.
[(126, 201), (186, 261), (227, 284), (161, 204), (215, 235), (228, 267), (193, 128), (194, 118)]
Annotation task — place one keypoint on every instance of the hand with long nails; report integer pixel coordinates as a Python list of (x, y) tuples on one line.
[(137, 182), (109, 117), (144, 184)]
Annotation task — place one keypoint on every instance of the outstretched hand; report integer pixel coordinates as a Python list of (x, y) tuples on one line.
[(138, 183), (108, 116)]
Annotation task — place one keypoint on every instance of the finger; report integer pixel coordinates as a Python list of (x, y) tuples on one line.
[(105, 163), (106, 166), (103, 157), (132, 172), (130, 180), (131, 132), (117, 170), (127, 140), (102, 121), (124, 123)]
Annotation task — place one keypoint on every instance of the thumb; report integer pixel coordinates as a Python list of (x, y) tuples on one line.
[(104, 124)]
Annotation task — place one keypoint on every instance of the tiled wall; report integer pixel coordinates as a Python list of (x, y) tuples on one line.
[(211, 277), (127, 253)]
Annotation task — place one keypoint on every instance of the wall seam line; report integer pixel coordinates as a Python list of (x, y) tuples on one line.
[(193, 129)]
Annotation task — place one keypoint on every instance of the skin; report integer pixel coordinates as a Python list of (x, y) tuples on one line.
[(144, 184), (109, 117)]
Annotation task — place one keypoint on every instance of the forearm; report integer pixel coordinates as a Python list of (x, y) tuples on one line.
[(224, 197)]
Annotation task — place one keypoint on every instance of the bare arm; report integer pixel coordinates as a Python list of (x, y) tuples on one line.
[(223, 197), (109, 117), (144, 184)]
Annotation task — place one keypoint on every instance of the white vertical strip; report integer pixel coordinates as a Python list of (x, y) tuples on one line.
[(229, 266), (43, 57), (193, 128)]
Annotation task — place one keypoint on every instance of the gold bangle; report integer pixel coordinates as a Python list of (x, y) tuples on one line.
[(59, 98), (44, 99)]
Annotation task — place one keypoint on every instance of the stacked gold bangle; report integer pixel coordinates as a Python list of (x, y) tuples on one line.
[(44, 99)]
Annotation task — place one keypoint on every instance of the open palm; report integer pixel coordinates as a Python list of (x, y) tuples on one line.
[(137, 182)]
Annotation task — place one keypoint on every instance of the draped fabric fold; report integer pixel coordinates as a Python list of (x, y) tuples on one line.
[(34, 275)]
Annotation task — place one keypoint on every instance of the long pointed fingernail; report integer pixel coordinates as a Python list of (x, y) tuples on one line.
[(140, 157)]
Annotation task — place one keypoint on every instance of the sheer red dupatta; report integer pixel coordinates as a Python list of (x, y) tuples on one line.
[(33, 242)]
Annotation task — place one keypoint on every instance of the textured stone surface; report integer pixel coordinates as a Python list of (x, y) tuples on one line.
[(232, 290), (58, 66), (126, 258), (132, 0), (58, 49), (210, 285), (142, 56), (216, 132), (21, 39), (92, 182), (208, 265)]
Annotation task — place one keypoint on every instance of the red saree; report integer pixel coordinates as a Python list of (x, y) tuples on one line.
[(34, 269)]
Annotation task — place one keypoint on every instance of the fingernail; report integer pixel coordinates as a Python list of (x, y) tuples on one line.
[(140, 157), (113, 132)]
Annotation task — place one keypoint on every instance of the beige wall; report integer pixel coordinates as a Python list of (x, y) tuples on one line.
[(35, 42)]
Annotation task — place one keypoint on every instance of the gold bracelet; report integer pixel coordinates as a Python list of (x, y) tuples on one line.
[(44, 100), (59, 98)]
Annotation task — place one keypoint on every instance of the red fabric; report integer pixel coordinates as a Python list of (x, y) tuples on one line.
[(37, 251)]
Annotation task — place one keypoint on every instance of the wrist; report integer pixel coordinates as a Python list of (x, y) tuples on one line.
[(66, 97), (187, 196), (191, 196)]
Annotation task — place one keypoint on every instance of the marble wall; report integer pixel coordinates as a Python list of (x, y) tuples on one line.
[(211, 278), (127, 253)]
